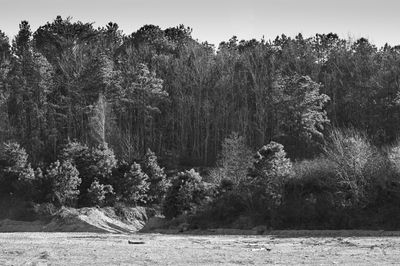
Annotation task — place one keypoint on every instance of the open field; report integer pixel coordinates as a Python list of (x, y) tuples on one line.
[(153, 249)]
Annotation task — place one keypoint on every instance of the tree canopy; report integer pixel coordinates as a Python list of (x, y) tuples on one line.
[(161, 89)]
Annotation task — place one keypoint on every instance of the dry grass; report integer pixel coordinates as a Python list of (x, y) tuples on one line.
[(284, 248)]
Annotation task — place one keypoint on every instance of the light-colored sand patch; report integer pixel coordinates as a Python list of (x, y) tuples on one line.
[(80, 220)]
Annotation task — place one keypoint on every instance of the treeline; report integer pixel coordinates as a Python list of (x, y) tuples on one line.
[(83, 109), (352, 185), (163, 90), (81, 176)]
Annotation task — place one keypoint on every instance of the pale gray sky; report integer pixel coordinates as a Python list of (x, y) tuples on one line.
[(218, 20)]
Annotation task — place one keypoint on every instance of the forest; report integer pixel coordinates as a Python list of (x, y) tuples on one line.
[(292, 132)]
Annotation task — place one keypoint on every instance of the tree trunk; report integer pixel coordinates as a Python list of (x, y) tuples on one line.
[(97, 121)]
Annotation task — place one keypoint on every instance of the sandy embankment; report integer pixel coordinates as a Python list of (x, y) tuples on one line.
[(101, 220)]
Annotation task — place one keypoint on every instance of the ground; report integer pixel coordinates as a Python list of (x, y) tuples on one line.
[(157, 249)]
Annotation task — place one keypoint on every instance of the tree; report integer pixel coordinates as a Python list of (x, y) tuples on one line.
[(300, 113), (93, 164), (263, 190), (100, 83), (30, 82), (354, 157), (161, 89), (97, 192), (135, 108), (187, 191), (134, 186), (16, 173), (236, 159), (4, 48), (86, 77), (64, 180), (157, 178), (5, 56)]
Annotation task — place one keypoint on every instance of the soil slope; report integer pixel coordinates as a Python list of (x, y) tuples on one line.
[(82, 220)]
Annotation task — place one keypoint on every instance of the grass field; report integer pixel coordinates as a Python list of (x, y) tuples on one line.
[(156, 249)]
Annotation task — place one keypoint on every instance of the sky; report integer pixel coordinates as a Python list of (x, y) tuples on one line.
[(218, 20)]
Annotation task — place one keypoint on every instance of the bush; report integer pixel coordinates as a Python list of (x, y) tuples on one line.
[(97, 193), (270, 171), (258, 195), (157, 178), (103, 162), (309, 197), (43, 187), (75, 151), (319, 195), (16, 174), (235, 160), (92, 164), (352, 153), (393, 154), (118, 174), (224, 210), (271, 162), (64, 180), (45, 210), (390, 186), (133, 186), (186, 193), (216, 176)]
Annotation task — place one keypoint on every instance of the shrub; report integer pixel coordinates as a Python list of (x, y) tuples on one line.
[(270, 171), (157, 178), (271, 162), (133, 186), (186, 193), (45, 210), (64, 180), (352, 153), (390, 187), (216, 176), (235, 160), (258, 194), (336, 191), (103, 162), (225, 208), (97, 193), (393, 154), (74, 151), (92, 163), (43, 187), (309, 197), (118, 174), (16, 174)]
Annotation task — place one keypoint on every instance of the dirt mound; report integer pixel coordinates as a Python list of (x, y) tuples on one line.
[(109, 220)]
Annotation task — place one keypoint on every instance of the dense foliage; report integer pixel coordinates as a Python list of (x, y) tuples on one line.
[(134, 185), (97, 192), (64, 182), (235, 161), (79, 106), (94, 164), (186, 193), (16, 173), (158, 182), (163, 90)]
